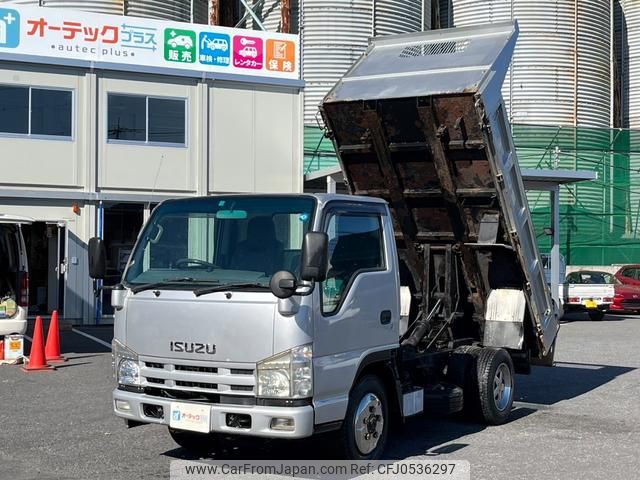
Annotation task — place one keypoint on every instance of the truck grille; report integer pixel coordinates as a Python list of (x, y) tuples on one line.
[(210, 386), (191, 368), (209, 380)]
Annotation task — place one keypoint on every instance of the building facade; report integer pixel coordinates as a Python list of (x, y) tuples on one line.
[(89, 148)]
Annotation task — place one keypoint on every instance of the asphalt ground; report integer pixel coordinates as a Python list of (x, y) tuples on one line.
[(578, 420)]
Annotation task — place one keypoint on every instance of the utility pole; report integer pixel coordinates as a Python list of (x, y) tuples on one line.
[(285, 16), (214, 12)]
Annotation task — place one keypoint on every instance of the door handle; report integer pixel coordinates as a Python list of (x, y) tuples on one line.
[(385, 317)]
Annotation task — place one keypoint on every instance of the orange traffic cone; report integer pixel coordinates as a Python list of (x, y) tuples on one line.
[(37, 360), (52, 347)]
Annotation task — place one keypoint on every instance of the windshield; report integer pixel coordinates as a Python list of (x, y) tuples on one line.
[(220, 241), (587, 278)]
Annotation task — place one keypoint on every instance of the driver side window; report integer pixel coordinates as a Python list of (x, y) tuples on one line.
[(355, 246)]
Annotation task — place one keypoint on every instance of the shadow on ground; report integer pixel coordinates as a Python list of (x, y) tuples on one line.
[(547, 386)]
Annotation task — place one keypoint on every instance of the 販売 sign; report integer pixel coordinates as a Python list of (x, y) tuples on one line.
[(68, 37)]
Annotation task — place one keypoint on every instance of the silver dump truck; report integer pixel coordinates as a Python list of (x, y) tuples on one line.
[(283, 316)]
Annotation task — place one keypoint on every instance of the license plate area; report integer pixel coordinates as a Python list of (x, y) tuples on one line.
[(590, 303), (187, 416)]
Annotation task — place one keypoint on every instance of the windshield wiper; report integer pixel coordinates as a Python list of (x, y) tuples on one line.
[(168, 281), (227, 287)]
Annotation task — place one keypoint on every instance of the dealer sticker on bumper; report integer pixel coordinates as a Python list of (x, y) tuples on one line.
[(187, 416)]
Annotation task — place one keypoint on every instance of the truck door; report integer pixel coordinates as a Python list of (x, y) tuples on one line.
[(357, 309)]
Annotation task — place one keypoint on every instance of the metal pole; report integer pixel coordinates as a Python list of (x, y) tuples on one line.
[(331, 184), (555, 244), (100, 232)]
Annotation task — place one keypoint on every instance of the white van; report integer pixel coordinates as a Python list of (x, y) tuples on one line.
[(14, 275)]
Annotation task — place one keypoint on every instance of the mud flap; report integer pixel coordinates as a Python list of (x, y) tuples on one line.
[(504, 320)]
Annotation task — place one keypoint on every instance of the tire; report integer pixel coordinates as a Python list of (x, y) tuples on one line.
[(495, 385), (367, 414), (596, 315), (201, 443)]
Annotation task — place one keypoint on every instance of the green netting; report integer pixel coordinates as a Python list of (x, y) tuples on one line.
[(599, 220)]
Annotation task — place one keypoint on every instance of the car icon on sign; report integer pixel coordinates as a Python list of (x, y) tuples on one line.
[(251, 52), (181, 41), (219, 44)]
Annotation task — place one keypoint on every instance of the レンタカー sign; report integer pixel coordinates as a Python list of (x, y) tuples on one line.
[(68, 37)]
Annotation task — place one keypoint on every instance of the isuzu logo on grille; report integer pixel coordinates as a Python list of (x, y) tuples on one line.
[(193, 347)]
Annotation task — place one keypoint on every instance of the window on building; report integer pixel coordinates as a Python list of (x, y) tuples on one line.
[(36, 111), (137, 118)]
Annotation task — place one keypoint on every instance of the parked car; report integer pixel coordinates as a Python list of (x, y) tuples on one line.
[(589, 291), (626, 299), (629, 274), (14, 276)]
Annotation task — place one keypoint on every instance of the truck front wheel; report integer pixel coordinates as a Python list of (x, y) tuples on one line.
[(495, 385), (364, 431), (200, 443)]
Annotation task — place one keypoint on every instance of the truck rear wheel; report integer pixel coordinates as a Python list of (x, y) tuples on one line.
[(495, 385), (201, 443), (364, 431)]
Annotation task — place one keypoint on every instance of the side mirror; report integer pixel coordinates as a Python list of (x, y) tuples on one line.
[(97, 258), (283, 284), (315, 257)]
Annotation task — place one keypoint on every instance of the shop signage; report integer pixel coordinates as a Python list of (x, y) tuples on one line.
[(61, 36)]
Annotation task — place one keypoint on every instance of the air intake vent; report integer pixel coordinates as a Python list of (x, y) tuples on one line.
[(211, 386), (191, 368), (433, 48), (242, 388)]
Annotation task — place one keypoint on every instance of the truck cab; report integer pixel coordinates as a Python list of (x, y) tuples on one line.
[(197, 321)]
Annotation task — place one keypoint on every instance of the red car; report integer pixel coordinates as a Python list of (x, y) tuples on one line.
[(626, 299), (629, 275)]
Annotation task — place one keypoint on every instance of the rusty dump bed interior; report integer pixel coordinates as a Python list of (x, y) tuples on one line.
[(431, 154), (427, 157)]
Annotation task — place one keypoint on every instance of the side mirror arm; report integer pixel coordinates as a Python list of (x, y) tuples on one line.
[(305, 289)]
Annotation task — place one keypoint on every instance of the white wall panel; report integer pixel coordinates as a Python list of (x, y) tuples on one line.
[(257, 139)]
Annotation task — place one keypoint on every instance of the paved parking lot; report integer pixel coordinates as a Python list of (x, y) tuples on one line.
[(579, 420)]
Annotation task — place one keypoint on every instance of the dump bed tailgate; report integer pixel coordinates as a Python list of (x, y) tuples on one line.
[(419, 121)]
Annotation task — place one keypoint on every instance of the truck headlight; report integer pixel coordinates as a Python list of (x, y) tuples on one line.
[(287, 375), (125, 363)]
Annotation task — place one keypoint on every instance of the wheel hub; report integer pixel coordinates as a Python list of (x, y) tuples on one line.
[(369, 423), (502, 387)]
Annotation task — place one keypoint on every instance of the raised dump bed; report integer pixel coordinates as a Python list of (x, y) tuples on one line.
[(419, 120)]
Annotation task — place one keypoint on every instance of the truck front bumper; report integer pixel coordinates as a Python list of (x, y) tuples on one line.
[(261, 416)]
